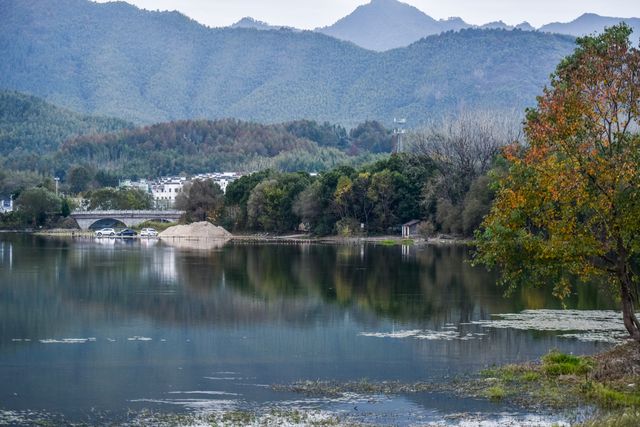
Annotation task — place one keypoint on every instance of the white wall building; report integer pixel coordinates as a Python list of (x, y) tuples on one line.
[(6, 205), (223, 179), (165, 191), (143, 185)]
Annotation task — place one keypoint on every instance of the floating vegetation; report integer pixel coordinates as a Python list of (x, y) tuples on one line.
[(68, 341), (449, 333), (273, 416), (225, 378), (137, 338), (584, 325), (206, 392), (28, 417), (362, 387)]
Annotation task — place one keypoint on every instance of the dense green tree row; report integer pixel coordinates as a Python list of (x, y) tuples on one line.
[(377, 198)]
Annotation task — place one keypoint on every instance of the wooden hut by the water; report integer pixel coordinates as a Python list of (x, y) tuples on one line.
[(410, 229)]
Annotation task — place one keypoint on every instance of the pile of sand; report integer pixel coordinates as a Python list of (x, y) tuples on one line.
[(197, 230)]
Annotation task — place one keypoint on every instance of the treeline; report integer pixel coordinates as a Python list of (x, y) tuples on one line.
[(444, 181)]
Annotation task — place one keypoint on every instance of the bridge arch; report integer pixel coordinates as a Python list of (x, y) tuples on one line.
[(107, 223), (87, 219)]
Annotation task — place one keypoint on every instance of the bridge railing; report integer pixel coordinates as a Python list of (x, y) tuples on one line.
[(127, 213)]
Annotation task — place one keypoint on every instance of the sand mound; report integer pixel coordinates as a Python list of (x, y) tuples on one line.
[(197, 230)]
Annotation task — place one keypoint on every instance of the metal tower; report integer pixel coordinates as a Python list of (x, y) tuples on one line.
[(399, 131)]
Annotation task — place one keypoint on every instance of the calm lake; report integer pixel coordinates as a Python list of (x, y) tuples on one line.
[(97, 330)]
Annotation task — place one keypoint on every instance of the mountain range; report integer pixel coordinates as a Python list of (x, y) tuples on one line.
[(116, 60), (387, 24)]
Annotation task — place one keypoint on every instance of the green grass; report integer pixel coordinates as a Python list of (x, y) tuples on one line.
[(530, 376), (393, 242), (609, 397), (626, 418), (388, 242), (556, 363), (496, 392)]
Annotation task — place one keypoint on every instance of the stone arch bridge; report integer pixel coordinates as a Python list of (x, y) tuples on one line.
[(86, 219)]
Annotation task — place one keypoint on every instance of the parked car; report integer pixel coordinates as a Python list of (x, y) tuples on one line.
[(106, 232), (127, 232), (148, 232)]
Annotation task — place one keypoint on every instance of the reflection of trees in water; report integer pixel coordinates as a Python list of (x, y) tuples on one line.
[(434, 282), (56, 283), (27, 287)]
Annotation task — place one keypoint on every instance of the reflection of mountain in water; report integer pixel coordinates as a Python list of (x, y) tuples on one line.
[(52, 281)]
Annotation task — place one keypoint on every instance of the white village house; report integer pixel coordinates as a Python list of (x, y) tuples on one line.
[(165, 190), (6, 205)]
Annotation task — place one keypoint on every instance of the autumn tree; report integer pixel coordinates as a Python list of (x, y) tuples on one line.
[(569, 206)]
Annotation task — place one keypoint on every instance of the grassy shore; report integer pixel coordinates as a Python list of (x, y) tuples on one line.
[(609, 381)]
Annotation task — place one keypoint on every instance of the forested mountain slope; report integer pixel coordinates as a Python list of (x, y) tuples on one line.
[(38, 136), (190, 146), (114, 59), (30, 127)]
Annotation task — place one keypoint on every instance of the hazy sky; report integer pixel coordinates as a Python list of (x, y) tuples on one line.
[(309, 14)]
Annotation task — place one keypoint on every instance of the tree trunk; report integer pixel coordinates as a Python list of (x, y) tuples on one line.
[(628, 311)]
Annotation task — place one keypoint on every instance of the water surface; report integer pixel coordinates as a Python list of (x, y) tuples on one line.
[(104, 326)]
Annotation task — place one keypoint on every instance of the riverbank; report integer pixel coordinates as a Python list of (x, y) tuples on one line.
[(389, 240), (608, 383), (597, 390)]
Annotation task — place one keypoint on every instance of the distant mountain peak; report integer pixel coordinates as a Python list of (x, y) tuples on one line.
[(525, 26), (589, 23), (590, 15), (387, 24), (497, 25), (249, 22)]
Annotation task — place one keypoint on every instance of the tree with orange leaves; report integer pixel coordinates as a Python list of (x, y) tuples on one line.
[(569, 206)]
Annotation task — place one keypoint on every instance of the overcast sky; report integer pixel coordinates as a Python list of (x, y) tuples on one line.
[(309, 14)]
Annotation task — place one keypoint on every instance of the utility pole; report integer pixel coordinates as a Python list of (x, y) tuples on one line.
[(57, 181)]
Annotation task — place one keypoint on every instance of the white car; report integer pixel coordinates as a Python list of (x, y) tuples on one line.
[(148, 232), (105, 232)]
